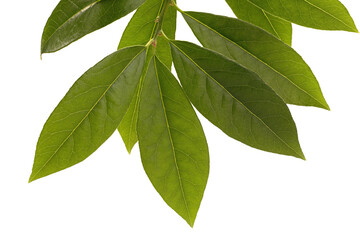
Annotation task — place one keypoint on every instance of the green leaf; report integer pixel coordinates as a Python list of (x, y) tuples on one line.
[(275, 62), (172, 143), (319, 14), (236, 100), (249, 12), (73, 19), (89, 113), (142, 26), (127, 127)]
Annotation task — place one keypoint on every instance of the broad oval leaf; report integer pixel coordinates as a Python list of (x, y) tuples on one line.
[(251, 13), (319, 14), (73, 19), (236, 100), (142, 26), (172, 143), (276, 63), (89, 113)]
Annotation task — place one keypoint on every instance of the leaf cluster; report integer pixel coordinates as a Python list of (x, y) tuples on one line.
[(241, 80)]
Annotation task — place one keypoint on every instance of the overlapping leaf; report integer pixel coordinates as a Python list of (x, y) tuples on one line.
[(236, 100), (319, 14), (251, 13), (139, 31), (275, 62), (89, 113), (172, 144), (73, 19), (242, 86), (127, 127)]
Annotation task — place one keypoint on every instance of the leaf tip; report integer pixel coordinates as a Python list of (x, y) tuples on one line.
[(191, 222), (31, 179), (128, 149), (327, 107), (34, 176), (300, 154)]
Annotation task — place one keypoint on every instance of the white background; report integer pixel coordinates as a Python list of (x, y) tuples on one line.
[(251, 194)]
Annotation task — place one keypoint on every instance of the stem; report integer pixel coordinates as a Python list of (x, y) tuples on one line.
[(160, 20), (176, 6)]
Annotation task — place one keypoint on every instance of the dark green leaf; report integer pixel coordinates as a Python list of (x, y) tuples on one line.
[(249, 12), (319, 14), (275, 62), (73, 19), (89, 113), (236, 100), (172, 144), (142, 26)]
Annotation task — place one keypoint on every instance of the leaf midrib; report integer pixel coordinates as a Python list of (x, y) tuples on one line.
[(267, 18), (73, 16), (207, 74), (171, 141), (87, 114), (327, 13), (276, 71)]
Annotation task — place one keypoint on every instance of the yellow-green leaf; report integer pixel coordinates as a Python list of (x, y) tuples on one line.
[(89, 113)]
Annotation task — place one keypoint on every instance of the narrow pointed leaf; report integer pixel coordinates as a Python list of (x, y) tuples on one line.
[(127, 127), (251, 13), (89, 113), (236, 100), (172, 144), (274, 61), (73, 19), (319, 14), (139, 31), (142, 26)]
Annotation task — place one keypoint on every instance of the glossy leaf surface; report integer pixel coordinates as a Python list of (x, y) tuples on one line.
[(89, 113), (236, 100), (275, 62), (319, 14), (142, 26), (172, 144), (251, 13), (73, 19)]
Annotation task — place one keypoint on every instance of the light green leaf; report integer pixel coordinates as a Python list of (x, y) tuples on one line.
[(249, 12), (89, 113), (275, 62), (172, 144), (319, 14), (73, 19), (236, 100), (142, 26), (127, 127)]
